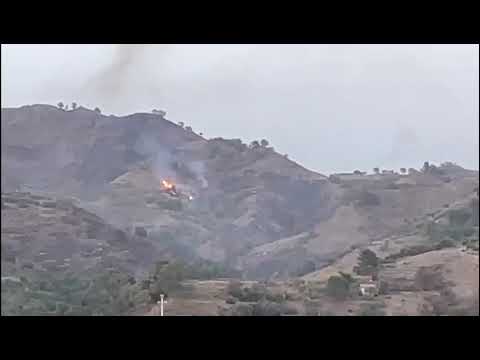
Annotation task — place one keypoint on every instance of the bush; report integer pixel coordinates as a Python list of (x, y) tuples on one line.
[(140, 231), (383, 288), (445, 244), (274, 297), (231, 300), (242, 310), (266, 308), (347, 277), (366, 198), (166, 277), (254, 144), (391, 186), (429, 278), (255, 293), (367, 263), (334, 179), (372, 310), (338, 287), (459, 217), (288, 310), (368, 258), (234, 289)]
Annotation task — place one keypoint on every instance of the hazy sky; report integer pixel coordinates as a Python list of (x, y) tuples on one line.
[(330, 107)]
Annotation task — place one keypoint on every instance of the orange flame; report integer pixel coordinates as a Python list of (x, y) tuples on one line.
[(167, 185)]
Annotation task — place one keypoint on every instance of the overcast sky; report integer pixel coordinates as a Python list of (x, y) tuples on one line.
[(330, 107)]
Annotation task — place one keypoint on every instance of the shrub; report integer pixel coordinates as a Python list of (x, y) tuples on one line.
[(445, 244), (391, 186), (383, 288), (372, 310), (255, 293), (429, 278), (274, 297), (368, 258), (140, 231), (288, 310), (334, 179), (242, 310), (266, 308), (338, 287), (366, 198), (254, 144), (234, 289), (459, 217), (367, 263), (347, 277), (231, 300)]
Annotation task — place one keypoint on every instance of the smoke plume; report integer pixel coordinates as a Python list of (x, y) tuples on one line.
[(198, 168)]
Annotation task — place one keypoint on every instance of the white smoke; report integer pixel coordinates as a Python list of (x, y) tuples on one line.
[(198, 167), (159, 158)]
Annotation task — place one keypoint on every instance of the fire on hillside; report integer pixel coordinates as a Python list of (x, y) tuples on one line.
[(170, 188)]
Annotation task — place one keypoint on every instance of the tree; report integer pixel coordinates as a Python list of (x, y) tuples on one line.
[(376, 170), (97, 110), (159, 112), (366, 198), (368, 258), (188, 128), (181, 124), (367, 263), (346, 276), (60, 105), (201, 134), (264, 143), (66, 107), (234, 289), (426, 167), (403, 170), (338, 287), (74, 105), (254, 144)]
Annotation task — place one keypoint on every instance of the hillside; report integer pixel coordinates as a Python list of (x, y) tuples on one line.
[(82, 194)]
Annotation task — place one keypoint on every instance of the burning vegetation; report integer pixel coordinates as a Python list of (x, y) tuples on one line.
[(170, 188)]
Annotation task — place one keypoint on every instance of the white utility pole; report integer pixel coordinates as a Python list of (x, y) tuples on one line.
[(161, 302)]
